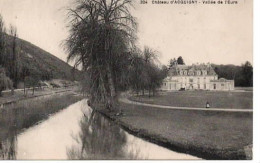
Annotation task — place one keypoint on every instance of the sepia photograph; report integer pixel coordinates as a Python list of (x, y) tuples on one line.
[(126, 80)]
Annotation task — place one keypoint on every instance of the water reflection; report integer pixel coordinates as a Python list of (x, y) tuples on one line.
[(8, 135), (76, 132), (100, 139), (8, 148), (9, 124)]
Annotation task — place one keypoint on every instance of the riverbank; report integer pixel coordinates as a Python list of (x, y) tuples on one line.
[(8, 97), (26, 113), (208, 135)]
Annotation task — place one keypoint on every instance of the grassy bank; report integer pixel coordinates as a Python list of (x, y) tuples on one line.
[(209, 135), (24, 114), (19, 94), (244, 88), (238, 100)]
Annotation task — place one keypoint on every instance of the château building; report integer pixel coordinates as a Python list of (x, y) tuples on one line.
[(195, 77)]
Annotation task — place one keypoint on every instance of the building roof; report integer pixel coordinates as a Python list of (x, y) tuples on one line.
[(193, 69)]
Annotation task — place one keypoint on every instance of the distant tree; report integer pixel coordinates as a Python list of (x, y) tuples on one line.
[(15, 58), (32, 81), (180, 60), (242, 75), (164, 71), (144, 73), (2, 41), (247, 72), (154, 78), (172, 62), (5, 82), (24, 73), (153, 72), (138, 73), (230, 72), (45, 75), (150, 55)]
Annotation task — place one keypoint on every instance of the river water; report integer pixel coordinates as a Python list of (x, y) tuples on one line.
[(79, 133)]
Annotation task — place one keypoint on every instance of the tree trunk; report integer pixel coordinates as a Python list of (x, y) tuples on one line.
[(111, 103), (108, 47), (143, 92), (111, 83), (12, 91), (149, 93), (33, 91), (24, 88)]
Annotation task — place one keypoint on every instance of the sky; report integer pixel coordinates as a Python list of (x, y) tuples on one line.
[(221, 34)]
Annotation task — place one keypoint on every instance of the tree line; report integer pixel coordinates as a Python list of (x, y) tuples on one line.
[(12, 70), (242, 75), (8, 58)]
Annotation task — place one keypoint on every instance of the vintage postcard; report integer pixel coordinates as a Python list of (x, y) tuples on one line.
[(126, 79)]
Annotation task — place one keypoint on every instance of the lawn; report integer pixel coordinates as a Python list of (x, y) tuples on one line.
[(198, 99), (244, 88), (209, 135)]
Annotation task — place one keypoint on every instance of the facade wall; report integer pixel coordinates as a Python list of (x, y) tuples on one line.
[(197, 83), (188, 82), (199, 76), (225, 85)]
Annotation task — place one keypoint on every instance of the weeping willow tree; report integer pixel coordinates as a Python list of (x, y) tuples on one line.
[(102, 33)]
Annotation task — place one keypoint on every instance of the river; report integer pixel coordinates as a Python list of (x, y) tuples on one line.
[(79, 133)]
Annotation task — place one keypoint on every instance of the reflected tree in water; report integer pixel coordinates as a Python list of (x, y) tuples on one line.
[(8, 137), (8, 148), (100, 139)]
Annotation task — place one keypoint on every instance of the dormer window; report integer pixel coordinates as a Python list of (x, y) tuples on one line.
[(185, 72), (198, 72), (181, 72), (204, 72)]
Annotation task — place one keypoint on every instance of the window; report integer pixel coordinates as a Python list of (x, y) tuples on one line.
[(185, 72), (215, 86), (198, 72), (205, 87), (181, 73), (198, 86), (205, 72), (191, 80)]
